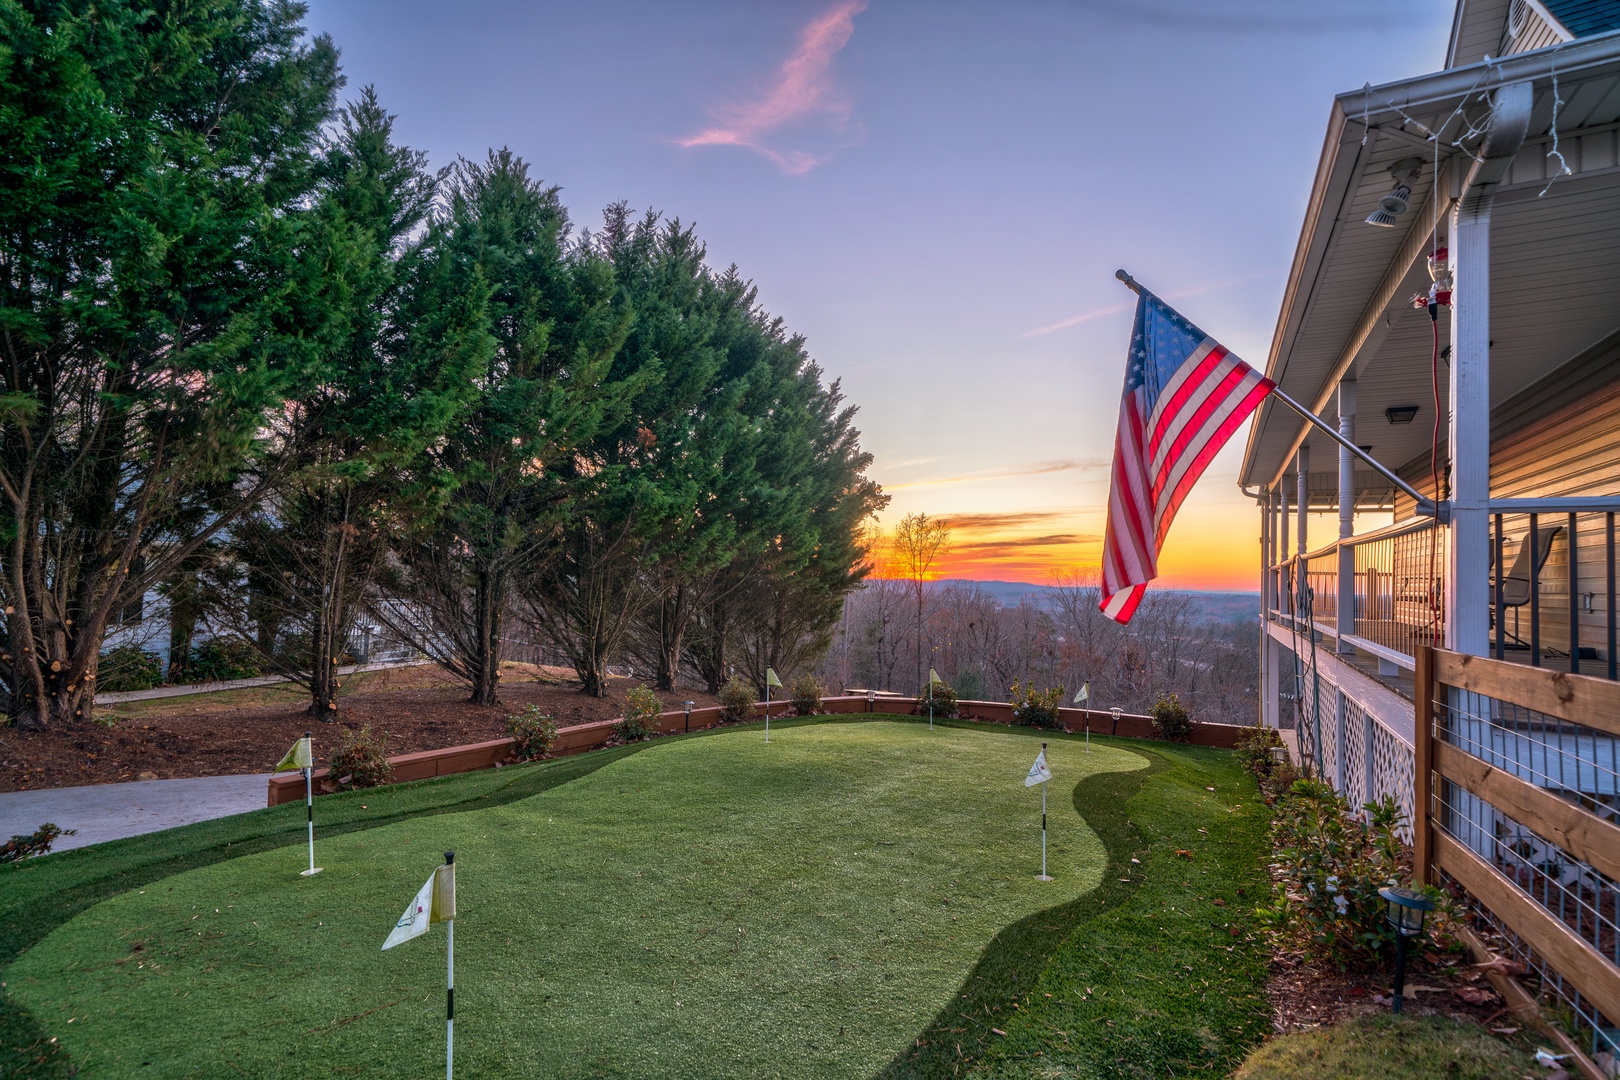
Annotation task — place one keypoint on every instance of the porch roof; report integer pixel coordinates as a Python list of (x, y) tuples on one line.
[(1555, 256)]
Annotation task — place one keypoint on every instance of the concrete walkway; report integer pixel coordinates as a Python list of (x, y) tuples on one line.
[(102, 812), (188, 689)]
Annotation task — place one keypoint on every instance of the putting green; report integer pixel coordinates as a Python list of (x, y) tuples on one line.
[(708, 907)]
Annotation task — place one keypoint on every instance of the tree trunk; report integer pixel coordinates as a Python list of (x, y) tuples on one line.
[(487, 662), (672, 618)]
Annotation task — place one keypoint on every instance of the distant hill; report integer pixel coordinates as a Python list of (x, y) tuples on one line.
[(1212, 606)]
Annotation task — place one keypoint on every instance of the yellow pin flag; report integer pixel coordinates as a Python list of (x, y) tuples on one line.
[(299, 757), (933, 677), (770, 677)]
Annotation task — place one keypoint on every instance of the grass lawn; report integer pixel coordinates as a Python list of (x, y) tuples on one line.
[(1378, 1047), (853, 899)]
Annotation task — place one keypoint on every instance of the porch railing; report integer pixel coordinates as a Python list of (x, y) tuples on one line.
[(1552, 580)]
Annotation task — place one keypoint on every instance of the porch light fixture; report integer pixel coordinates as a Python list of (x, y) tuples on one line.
[(1401, 414), (1407, 910), (1399, 199)]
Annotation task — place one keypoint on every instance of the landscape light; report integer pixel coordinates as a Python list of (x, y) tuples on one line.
[(871, 698), (688, 705), (1116, 711), (1407, 910)]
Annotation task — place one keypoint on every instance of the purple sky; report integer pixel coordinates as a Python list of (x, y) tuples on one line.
[(936, 195)]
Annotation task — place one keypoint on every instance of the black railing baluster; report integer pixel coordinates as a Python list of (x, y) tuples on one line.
[(1574, 605), (1535, 595), (1609, 546), (1501, 608)]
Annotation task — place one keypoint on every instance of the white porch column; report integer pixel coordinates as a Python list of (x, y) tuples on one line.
[(1347, 509), (1266, 525), (1303, 471), (1282, 530), (1467, 587)]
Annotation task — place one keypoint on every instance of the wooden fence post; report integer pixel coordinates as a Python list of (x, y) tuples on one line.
[(1423, 766)]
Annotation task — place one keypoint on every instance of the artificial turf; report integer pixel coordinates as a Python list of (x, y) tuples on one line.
[(852, 899)]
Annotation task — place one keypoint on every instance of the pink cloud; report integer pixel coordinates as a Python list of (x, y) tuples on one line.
[(802, 88)]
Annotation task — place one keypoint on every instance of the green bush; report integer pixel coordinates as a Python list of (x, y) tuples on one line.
[(736, 701), (944, 701), (128, 667), (1170, 719), (1254, 748), (219, 661), (806, 693), (641, 712), (1035, 708), (362, 760), (533, 733), (969, 685), (1332, 866), (37, 842)]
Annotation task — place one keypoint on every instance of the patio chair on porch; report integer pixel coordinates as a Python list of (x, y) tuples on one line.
[(1516, 585)]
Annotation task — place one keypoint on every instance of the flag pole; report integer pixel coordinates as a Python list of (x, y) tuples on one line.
[(1044, 876), (767, 710), (1425, 506), (309, 812), (930, 701), (450, 988)]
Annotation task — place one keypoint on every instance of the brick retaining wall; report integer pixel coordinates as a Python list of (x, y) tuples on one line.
[(579, 738)]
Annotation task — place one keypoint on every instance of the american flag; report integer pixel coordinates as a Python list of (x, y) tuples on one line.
[(1184, 396)]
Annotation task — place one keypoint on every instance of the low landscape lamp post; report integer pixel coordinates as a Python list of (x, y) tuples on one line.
[(871, 699), (1407, 910), (1116, 711), (688, 706)]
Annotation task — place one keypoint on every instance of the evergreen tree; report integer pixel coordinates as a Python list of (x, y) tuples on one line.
[(160, 297)]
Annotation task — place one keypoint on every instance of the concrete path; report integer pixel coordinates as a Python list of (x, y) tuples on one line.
[(102, 812), (188, 689)]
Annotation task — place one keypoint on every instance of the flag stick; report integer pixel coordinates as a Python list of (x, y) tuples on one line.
[(309, 814), (1044, 876), (450, 989), (1088, 731), (767, 710), (930, 701)]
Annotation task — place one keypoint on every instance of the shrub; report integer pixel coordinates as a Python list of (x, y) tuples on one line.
[(362, 760), (736, 701), (806, 693), (944, 701), (533, 733), (128, 667), (1332, 866), (969, 685), (1170, 719), (37, 842), (1035, 708), (641, 711), (218, 661), (1254, 748)]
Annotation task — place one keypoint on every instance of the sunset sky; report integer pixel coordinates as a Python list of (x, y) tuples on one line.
[(936, 195)]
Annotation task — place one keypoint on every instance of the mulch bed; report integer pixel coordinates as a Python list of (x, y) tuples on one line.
[(1306, 994), (420, 708)]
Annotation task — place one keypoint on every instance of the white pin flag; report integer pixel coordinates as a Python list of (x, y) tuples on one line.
[(1038, 772), (1082, 695), (435, 902)]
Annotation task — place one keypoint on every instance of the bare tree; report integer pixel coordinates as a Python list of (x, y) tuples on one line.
[(919, 542)]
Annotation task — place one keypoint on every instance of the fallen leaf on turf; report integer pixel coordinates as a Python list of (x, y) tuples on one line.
[(1504, 1031), (998, 1031), (1208, 788), (1474, 995)]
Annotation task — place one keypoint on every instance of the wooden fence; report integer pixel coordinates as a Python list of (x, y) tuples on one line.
[(1515, 804)]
